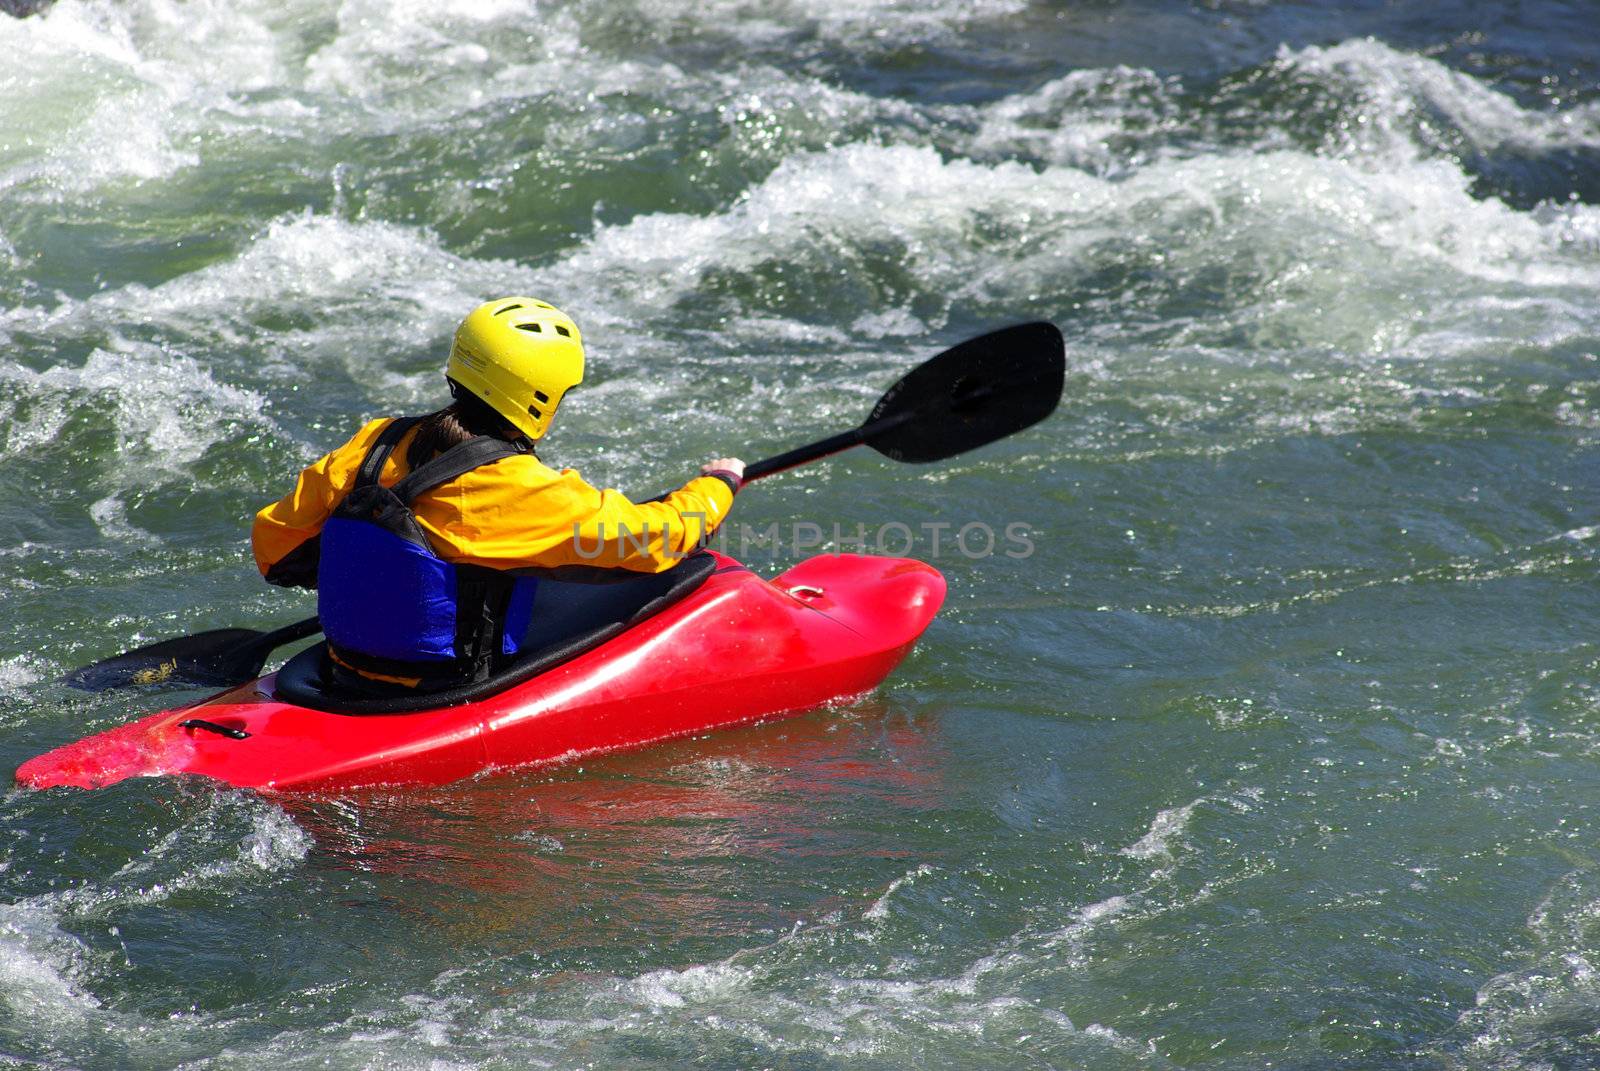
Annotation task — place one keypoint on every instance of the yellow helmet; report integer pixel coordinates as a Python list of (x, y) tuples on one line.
[(520, 355)]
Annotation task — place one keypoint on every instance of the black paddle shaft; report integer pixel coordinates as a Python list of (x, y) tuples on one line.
[(833, 444), (968, 396)]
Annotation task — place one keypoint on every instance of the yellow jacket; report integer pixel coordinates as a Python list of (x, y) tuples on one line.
[(515, 513)]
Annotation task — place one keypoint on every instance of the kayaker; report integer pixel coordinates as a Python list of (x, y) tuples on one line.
[(426, 537)]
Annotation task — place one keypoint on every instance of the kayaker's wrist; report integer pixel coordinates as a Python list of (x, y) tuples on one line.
[(730, 478), (730, 470)]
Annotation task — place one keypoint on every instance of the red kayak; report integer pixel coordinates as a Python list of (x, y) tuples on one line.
[(723, 647)]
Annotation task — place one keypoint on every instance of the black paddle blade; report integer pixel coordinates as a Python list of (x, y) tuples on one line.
[(217, 658), (972, 394)]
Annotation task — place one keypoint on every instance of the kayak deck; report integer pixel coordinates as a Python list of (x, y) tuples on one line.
[(737, 649)]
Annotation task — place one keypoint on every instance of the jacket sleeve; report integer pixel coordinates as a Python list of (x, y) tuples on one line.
[(548, 520), (285, 535), (651, 536)]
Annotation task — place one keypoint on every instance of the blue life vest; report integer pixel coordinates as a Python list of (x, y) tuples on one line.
[(389, 604)]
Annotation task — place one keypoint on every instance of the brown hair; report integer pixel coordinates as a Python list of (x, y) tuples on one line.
[(462, 419)]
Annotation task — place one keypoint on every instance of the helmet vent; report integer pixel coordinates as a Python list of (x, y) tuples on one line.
[(502, 310), (535, 328), (534, 410), (562, 331), (542, 396)]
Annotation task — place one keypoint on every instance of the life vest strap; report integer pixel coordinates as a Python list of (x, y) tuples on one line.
[(382, 447), (456, 461)]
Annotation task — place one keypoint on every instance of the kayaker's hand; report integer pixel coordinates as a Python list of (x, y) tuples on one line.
[(731, 469)]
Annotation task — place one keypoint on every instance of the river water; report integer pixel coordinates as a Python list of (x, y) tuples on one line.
[(1280, 749)]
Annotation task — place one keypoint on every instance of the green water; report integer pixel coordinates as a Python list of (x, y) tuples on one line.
[(1280, 748)]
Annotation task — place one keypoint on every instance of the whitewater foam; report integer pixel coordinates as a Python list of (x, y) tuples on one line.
[(236, 839), (422, 61), (870, 25), (19, 671), (163, 410), (1526, 1010), (379, 288), (1399, 99), (1321, 253), (39, 969), (129, 88), (879, 909), (1165, 828), (1105, 121)]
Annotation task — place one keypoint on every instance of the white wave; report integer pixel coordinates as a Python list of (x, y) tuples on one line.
[(1352, 221), (909, 197), (774, 1001), (143, 89), (275, 842), (890, 323), (831, 1015), (1320, 247), (900, 1015), (1529, 1010), (1170, 826), (379, 289), (1322, 253), (1393, 107), (1296, 232), (106, 91), (443, 57), (393, 68), (19, 671), (381, 282), (1401, 92), (702, 983), (271, 842), (861, 24), (39, 969), (164, 410), (1165, 828), (1093, 119), (879, 909), (110, 515), (1086, 922)]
